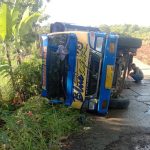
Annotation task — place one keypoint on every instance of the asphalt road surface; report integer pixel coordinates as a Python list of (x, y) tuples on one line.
[(121, 129)]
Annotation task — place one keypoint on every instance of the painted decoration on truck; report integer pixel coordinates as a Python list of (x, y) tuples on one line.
[(81, 70)]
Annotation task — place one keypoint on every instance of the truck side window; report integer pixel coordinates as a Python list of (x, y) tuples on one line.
[(99, 44), (57, 65)]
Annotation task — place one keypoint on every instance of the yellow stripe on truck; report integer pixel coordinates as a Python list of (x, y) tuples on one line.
[(109, 76)]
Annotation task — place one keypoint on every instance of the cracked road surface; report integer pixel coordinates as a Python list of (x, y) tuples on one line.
[(121, 129)]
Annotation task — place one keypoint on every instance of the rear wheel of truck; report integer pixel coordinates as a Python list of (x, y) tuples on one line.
[(119, 103), (129, 42)]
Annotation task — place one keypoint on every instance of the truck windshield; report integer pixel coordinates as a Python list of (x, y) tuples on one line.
[(95, 59), (57, 66), (94, 74)]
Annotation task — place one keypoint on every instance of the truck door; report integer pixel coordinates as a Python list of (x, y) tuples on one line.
[(107, 73)]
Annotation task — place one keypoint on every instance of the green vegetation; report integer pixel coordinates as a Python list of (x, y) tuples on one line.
[(129, 30), (27, 121), (133, 31), (12, 30), (37, 126), (28, 78), (30, 122)]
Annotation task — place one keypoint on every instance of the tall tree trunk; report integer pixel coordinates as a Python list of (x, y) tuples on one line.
[(11, 73), (10, 65)]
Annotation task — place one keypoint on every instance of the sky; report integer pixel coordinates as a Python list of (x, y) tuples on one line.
[(96, 12)]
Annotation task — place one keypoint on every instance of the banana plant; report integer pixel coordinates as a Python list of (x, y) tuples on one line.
[(12, 29), (6, 33), (23, 28)]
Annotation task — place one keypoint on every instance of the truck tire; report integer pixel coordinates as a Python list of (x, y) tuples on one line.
[(129, 42), (119, 103)]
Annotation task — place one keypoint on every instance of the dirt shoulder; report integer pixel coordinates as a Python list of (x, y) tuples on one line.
[(143, 54)]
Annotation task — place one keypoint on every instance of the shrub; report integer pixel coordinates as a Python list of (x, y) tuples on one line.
[(28, 78), (6, 90), (37, 126)]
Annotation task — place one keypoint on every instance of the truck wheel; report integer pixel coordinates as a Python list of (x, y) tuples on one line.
[(129, 42), (119, 103)]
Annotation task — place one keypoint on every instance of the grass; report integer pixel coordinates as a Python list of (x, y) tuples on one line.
[(37, 126), (6, 91)]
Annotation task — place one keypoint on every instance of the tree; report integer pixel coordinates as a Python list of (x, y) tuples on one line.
[(5, 34), (105, 28), (23, 4), (23, 28), (12, 30)]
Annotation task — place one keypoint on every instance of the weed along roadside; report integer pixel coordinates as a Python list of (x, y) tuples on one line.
[(37, 125), (27, 121)]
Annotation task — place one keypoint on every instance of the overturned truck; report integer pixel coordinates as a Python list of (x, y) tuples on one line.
[(85, 69)]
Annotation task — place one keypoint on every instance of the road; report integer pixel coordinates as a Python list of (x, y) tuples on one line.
[(121, 129)]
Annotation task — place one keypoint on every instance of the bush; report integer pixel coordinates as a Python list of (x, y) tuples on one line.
[(37, 126), (28, 78), (7, 92)]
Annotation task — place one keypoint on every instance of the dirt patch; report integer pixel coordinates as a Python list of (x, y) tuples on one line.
[(139, 141), (143, 54), (132, 141)]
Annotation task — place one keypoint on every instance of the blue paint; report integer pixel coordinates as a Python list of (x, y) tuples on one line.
[(44, 40), (44, 92), (71, 72), (97, 34), (108, 59), (55, 101)]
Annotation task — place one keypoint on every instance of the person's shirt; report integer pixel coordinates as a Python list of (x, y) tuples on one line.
[(138, 71), (62, 51)]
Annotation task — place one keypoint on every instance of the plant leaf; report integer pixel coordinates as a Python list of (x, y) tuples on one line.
[(4, 70), (5, 22), (25, 15), (26, 25), (14, 15)]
